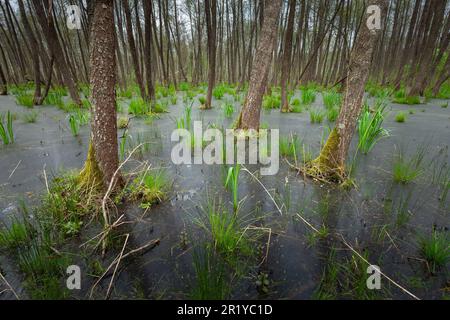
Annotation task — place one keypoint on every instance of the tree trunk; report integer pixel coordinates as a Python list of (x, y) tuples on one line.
[(35, 56), (51, 36), (102, 160), (3, 84), (445, 74), (330, 164), (133, 49), (287, 56), (428, 48), (211, 27), (148, 12), (250, 114)]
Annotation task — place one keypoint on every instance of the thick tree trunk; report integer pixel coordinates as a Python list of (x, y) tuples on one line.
[(287, 57), (250, 114), (331, 162), (102, 161), (211, 27)]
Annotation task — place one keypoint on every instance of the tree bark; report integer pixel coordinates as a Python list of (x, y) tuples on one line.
[(3, 83), (103, 160), (330, 164), (211, 27), (133, 49), (35, 56), (250, 115), (148, 12), (287, 56), (51, 36)]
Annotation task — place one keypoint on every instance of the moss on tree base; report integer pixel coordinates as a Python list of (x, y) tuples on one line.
[(90, 177), (204, 107), (325, 167), (286, 110)]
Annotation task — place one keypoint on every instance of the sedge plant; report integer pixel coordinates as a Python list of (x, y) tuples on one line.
[(370, 129), (6, 128), (232, 182)]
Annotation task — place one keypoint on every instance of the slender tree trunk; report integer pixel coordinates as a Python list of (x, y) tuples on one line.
[(3, 83), (426, 58), (133, 49), (287, 57), (35, 56), (49, 79), (250, 115), (445, 74), (330, 164), (211, 27), (148, 12), (102, 160), (51, 36)]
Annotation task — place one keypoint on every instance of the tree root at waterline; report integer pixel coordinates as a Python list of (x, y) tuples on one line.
[(324, 168)]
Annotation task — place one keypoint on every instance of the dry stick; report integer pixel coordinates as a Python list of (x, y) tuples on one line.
[(105, 232), (151, 244), (307, 223), (20, 161), (265, 189), (117, 265), (45, 177), (9, 286), (112, 182), (345, 243), (384, 275)]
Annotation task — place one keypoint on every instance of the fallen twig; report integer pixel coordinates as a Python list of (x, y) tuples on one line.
[(20, 161), (9, 286), (343, 240), (150, 245), (109, 190), (117, 265)]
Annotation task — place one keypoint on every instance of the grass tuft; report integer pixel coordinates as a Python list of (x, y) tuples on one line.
[(370, 129), (138, 107), (30, 117), (308, 96), (6, 128), (150, 187), (228, 110), (400, 117), (24, 99), (316, 116), (436, 249), (331, 100), (406, 170)]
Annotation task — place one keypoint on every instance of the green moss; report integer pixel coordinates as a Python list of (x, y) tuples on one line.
[(90, 176), (325, 166)]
